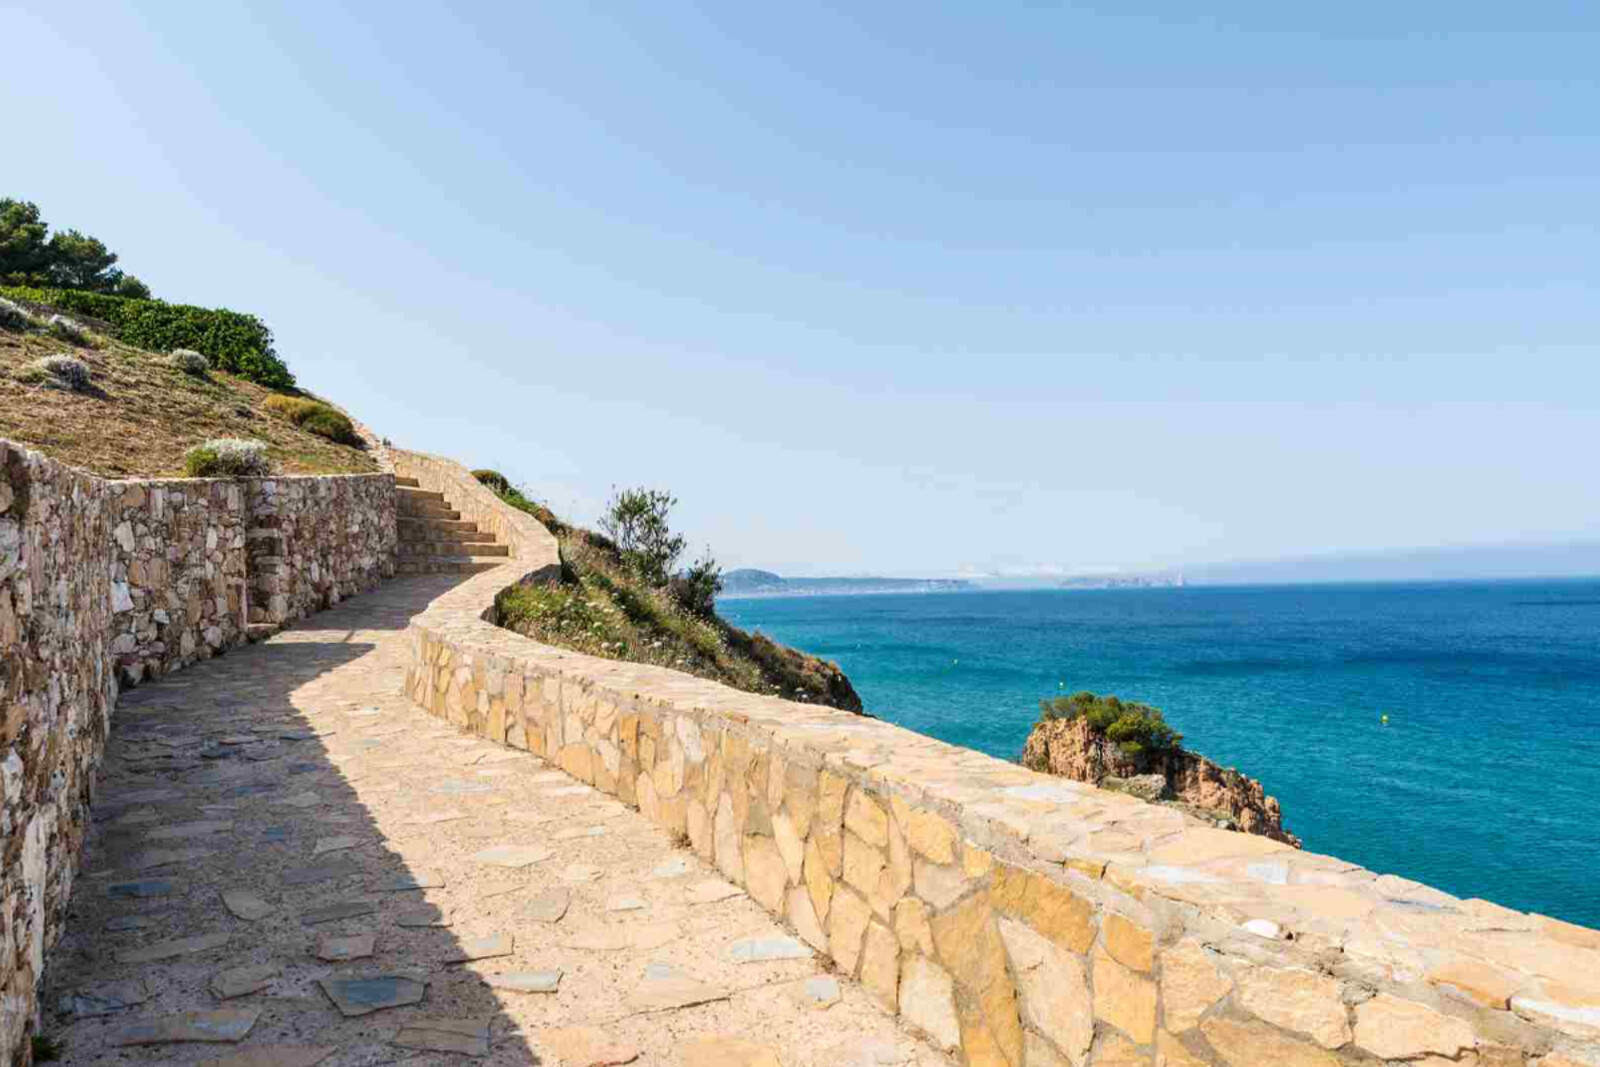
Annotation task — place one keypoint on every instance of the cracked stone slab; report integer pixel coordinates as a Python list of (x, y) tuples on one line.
[(340, 949), (514, 856), (238, 981), (222, 1025), (106, 999), (203, 828), (344, 909), (708, 1050), (321, 872), (151, 887), (525, 981), (547, 907), (643, 936), (580, 872), (711, 891), (334, 844), (625, 902), (401, 883), (665, 988), (273, 1056), (456, 787), (437, 816), (166, 950), (437, 1034), (426, 915), (246, 905), (588, 1045), (673, 868), (764, 949), (482, 948), (580, 831), (362, 996), (164, 857), (820, 991)]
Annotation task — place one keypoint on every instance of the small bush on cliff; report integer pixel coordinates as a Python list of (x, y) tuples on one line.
[(636, 520), (14, 316), (604, 605), (313, 416), (60, 370), (1137, 729), (189, 361), (227, 457)]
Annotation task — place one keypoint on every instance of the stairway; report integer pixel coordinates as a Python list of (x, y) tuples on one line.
[(435, 540)]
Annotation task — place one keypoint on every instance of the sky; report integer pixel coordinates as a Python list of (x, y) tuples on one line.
[(892, 288)]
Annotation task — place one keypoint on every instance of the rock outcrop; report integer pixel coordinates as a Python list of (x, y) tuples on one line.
[(1074, 749)]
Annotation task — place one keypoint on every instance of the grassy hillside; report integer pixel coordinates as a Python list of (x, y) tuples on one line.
[(139, 412), (603, 607)]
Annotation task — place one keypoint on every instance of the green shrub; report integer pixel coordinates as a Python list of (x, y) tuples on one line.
[(636, 520), (189, 361), (227, 457), (313, 416), (697, 587), (15, 316), (498, 483), (1137, 729), (234, 342), (61, 370), (69, 330)]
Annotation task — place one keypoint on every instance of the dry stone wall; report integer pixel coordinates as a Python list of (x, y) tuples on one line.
[(1017, 919), (102, 581), (55, 617)]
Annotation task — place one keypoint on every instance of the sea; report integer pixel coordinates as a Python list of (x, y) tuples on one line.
[(1484, 780)]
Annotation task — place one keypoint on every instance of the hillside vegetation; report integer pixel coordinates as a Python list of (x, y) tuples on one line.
[(136, 412), (622, 603)]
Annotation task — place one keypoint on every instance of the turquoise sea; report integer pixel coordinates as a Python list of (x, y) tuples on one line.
[(1485, 782)]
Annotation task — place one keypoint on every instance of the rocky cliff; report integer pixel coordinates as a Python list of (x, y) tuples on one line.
[(1076, 749)]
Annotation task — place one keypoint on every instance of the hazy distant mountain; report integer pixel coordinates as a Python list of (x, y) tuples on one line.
[(1480, 562), (748, 582)]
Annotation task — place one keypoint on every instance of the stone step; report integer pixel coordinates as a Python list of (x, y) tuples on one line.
[(445, 565), (404, 482), (420, 495), (433, 525), (426, 509), (416, 533), (452, 548)]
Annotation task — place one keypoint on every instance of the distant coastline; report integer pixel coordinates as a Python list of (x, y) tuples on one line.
[(748, 584)]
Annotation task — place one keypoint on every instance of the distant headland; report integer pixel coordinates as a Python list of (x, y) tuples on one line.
[(748, 582)]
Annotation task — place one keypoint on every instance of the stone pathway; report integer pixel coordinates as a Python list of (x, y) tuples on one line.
[(291, 865)]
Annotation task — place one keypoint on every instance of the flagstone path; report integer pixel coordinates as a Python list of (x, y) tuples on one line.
[(291, 865)]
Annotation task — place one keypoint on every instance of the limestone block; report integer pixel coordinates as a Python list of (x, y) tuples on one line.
[(1053, 987), (1170, 1052), (819, 883), (848, 917), (789, 845), (729, 857), (1129, 943), (866, 818), (1191, 983), (1296, 999), (927, 1001), (1123, 998), (766, 877), (1047, 906), (862, 863), (911, 926), (1392, 1028), (803, 917), (1241, 1044), (880, 965), (968, 945)]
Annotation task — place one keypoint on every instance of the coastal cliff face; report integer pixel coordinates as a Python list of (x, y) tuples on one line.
[(1075, 749)]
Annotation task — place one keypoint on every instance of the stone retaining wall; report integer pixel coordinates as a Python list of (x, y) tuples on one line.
[(1018, 920), (107, 580)]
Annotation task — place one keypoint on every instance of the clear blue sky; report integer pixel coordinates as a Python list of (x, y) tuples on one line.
[(897, 288)]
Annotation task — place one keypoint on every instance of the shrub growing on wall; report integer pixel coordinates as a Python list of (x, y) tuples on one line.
[(234, 342), (227, 457)]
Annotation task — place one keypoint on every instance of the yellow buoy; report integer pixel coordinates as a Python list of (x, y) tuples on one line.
[(1385, 720)]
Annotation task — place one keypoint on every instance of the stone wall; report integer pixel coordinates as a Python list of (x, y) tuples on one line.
[(1017, 919), (314, 541), (55, 603), (107, 580)]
